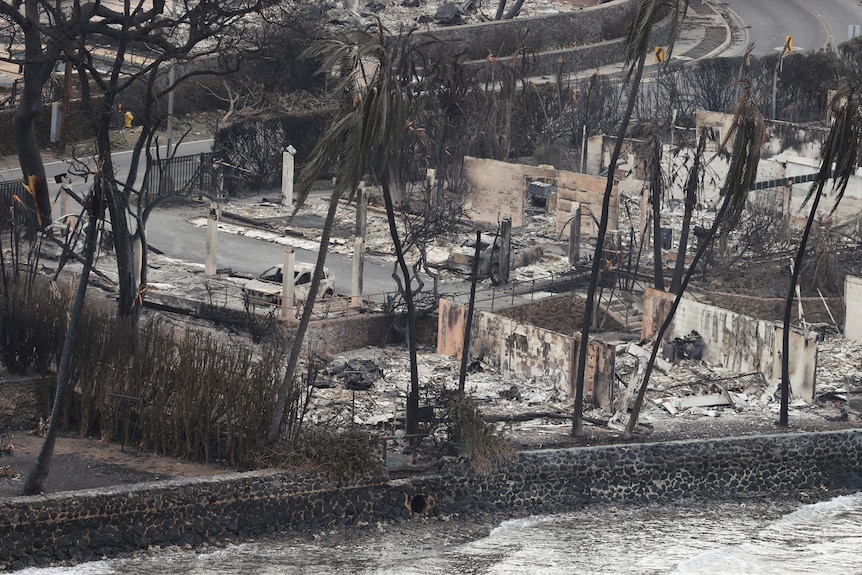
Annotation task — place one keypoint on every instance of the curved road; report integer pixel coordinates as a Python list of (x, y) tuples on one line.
[(813, 24)]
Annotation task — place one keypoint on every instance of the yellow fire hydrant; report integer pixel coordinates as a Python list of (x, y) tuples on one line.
[(127, 119)]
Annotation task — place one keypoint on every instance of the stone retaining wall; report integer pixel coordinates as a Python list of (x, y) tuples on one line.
[(546, 45), (85, 525), (537, 33), (777, 466)]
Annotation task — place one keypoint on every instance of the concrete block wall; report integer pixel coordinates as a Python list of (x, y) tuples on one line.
[(589, 191), (853, 299), (738, 342), (514, 344), (341, 334), (772, 308), (499, 189)]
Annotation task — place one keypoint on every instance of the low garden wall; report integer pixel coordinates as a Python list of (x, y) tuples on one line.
[(85, 525)]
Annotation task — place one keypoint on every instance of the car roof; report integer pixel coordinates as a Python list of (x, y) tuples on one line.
[(299, 267)]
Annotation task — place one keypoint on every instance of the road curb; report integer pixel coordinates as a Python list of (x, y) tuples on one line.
[(728, 34)]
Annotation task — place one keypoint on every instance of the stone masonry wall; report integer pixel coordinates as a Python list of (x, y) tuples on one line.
[(84, 525), (775, 466)]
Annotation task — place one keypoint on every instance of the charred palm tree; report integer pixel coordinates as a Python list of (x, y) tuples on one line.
[(748, 134), (637, 42), (839, 158), (653, 152), (367, 127), (692, 184), (96, 214)]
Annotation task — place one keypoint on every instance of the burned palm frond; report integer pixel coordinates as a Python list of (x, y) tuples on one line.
[(840, 156), (748, 130), (472, 438), (840, 152)]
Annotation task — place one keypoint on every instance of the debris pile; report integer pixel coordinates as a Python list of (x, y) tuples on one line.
[(356, 374), (705, 400)]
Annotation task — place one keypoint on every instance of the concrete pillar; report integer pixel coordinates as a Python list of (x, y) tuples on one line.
[(431, 178), (505, 250), (287, 169), (356, 283), (66, 200), (212, 237), (287, 293), (360, 233), (575, 234)]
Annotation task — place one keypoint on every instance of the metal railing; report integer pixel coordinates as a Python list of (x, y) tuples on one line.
[(180, 175), (518, 291), (324, 307), (9, 189)]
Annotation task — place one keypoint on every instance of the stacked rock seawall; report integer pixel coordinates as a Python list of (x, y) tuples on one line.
[(85, 525), (780, 466)]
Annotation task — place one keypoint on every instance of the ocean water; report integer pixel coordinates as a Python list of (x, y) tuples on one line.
[(696, 538)]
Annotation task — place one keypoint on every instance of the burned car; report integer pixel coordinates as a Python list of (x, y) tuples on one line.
[(266, 288), (461, 258)]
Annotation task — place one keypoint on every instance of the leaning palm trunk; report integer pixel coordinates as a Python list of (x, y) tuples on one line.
[(639, 399), (783, 415), (36, 479), (577, 421), (656, 195), (367, 126), (407, 292), (284, 391), (691, 187), (637, 40), (841, 150), (748, 131)]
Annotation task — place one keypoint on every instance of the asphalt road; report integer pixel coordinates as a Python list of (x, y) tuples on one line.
[(813, 24), (169, 231)]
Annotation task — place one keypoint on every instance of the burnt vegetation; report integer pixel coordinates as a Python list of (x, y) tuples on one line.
[(187, 393)]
